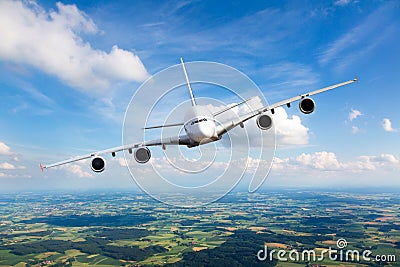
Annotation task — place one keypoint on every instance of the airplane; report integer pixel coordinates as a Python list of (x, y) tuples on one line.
[(200, 126)]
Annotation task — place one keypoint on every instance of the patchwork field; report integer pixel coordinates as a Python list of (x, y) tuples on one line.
[(121, 229)]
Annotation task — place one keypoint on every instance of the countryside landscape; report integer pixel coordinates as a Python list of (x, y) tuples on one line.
[(131, 229)]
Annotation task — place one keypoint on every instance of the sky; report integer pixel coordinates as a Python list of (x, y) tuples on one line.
[(69, 69)]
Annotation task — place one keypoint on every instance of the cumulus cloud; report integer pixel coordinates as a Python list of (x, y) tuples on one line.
[(318, 164), (374, 162), (387, 125), (76, 169), (122, 162), (320, 160), (52, 42), (7, 166), (4, 149), (328, 161), (289, 129), (354, 114)]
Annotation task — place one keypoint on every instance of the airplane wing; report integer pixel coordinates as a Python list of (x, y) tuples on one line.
[(178, 140), (225, 127), (231, 107), (163, 126)]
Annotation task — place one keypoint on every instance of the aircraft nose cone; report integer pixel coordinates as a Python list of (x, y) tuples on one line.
[(206, 130)]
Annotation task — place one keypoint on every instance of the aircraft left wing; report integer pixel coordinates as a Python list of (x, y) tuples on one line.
[(231, 107), (177, 140), (225, 127)]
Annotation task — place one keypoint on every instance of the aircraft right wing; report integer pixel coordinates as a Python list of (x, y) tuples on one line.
[(225, 127), (163, 126), (176, 140)]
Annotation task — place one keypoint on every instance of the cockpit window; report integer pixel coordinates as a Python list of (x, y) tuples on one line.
[(197, 121)]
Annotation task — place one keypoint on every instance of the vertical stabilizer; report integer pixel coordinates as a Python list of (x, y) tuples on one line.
[(188, 84)]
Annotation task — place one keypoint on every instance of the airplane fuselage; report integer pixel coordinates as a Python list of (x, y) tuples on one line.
[(200, 125)]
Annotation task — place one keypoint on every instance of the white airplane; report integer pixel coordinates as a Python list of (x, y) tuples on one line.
[(200, 127)]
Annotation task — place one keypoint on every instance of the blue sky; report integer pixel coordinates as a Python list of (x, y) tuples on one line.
[(68, 70)]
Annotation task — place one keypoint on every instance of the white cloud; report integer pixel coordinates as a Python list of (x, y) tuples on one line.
[(342, 2), (328, 161), (5, 175), (354, 114), (289, 131), (305, 164), (76, 170), (387, 125), (51, 41), (355, 129), (381, 159), (388, 158), (374, 162), (279, 164), (122, 162), (7, 166), (4, 149), (320, 160)]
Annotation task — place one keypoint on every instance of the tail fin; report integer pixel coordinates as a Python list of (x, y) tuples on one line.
[(188, 84)]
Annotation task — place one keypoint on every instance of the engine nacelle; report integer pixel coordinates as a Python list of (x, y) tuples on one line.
[(307, 105), (264, 122), (98, 164), (142, 155)]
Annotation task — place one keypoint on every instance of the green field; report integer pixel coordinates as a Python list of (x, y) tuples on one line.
[(108, 230)]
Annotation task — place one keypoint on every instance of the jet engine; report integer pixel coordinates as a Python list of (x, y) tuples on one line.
[(98, 164), (142, 155), (264, 122), (307, 105)]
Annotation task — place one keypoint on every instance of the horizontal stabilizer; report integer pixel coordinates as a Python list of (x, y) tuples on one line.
[(228, 108), (163, 126)]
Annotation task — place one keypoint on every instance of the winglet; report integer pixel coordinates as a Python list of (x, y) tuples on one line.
[(41, 166), (188, 84), (356, 79)]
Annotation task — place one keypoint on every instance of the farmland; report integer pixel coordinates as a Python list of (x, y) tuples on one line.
[(126, 229)]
